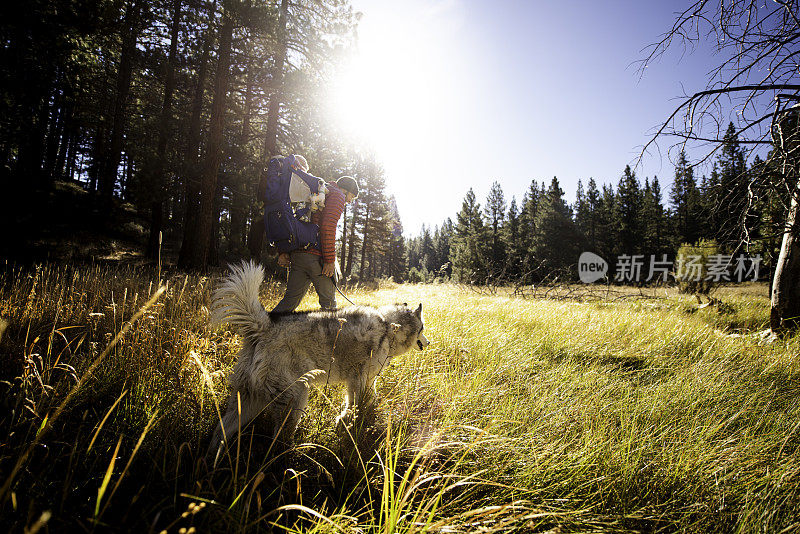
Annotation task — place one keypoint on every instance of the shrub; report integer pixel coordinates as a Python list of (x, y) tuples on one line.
[(692, 267), (417, 276)]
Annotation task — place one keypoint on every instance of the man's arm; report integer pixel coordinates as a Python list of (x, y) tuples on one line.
[(334, 206)]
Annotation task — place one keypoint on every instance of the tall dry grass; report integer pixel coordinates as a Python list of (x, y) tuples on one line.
[(520, 416)]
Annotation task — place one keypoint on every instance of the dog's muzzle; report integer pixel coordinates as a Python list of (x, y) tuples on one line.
[(422, 341)]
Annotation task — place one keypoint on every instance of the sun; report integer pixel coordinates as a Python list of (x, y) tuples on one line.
[(400, 95), (382, 98), (377, 99)]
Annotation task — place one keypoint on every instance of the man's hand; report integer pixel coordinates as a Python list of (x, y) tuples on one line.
[(284, 260), (328, 269)]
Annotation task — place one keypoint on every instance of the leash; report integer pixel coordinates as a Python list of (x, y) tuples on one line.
[(336, 285), (337, 275)]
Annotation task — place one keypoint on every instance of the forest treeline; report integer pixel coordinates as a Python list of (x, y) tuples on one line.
[(541, 237), (173, 108)]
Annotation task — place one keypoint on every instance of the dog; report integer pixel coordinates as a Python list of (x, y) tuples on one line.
[(284, 353)]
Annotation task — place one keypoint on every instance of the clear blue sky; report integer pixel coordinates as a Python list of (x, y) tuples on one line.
[(460, 93)]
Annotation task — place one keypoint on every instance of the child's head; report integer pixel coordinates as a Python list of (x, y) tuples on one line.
[(300, 163)]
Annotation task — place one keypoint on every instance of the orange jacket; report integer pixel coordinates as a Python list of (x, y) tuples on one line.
[(328, 220)]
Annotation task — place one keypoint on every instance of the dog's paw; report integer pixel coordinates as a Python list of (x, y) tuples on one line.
[(345, 420)]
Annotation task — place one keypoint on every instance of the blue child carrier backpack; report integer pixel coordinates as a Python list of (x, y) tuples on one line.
[(284, 229)]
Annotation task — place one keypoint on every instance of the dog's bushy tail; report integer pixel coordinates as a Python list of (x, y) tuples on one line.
[(236, 301)]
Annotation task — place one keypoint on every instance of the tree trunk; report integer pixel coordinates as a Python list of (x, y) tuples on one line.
[(72, 153), (32, 148), (191, 168), (238, 191), (213, 244), (98, 156), (255, 240), (67, 133), (157, 177), (785, 310), (108, 169), (361, 270), (54, 136), (351, 245), (200, 257), (130, 164)]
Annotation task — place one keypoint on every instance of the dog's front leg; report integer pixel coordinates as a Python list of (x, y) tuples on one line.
[(356, 389), (349, 398)]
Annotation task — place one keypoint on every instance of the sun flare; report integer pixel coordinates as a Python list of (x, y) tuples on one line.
[(398, 97), (381, 99)]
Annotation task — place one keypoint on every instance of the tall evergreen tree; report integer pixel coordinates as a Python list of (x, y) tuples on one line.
[(653, 221), (732, 195), (204, 235), (627, 216), (686, 204), (580, 207), (587, 216), (442, 239), (556, 240), (511, 238), (427, 253), (495, 213), (469, 242), (527, 225), (710, 214), (156, 175), (606, 224)]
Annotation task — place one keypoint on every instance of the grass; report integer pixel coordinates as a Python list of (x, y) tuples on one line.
[(638, 414)]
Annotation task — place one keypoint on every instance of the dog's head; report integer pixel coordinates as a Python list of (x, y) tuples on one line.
[(406, 326)]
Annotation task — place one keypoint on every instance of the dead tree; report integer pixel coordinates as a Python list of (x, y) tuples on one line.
[(758, 45)]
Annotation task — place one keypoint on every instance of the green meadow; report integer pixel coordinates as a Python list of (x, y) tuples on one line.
[(523, 415)]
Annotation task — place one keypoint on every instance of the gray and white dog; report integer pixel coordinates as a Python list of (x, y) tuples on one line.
[(284, 353)]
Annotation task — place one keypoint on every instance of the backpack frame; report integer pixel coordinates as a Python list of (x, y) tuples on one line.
[(283, 229)]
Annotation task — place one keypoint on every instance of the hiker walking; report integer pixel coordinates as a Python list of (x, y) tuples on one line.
[(316, 263)]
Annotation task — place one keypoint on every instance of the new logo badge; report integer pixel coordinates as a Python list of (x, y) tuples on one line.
[(591, 267)]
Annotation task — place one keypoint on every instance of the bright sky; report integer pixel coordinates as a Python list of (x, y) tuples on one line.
[(453, 94)]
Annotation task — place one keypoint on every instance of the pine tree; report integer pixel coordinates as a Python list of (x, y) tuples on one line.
[(653, 221), (374, 225), (732, 194), (627, 214), (686, 205), (710, 214), (442, 239), (768, 213), (588, 219), (527, 226), (511, 239), (427, 253), (606, 227), (555, 238), (580, 208), (470, 242), (204, 231), (495, 213)]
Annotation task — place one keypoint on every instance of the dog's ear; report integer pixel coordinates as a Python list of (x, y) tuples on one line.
[(418, 311)]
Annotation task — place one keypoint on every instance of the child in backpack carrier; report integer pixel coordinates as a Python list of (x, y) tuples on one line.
[(300, 196), (302, 200)]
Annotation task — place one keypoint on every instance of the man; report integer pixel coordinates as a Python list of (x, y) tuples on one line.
[(313, 265)]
